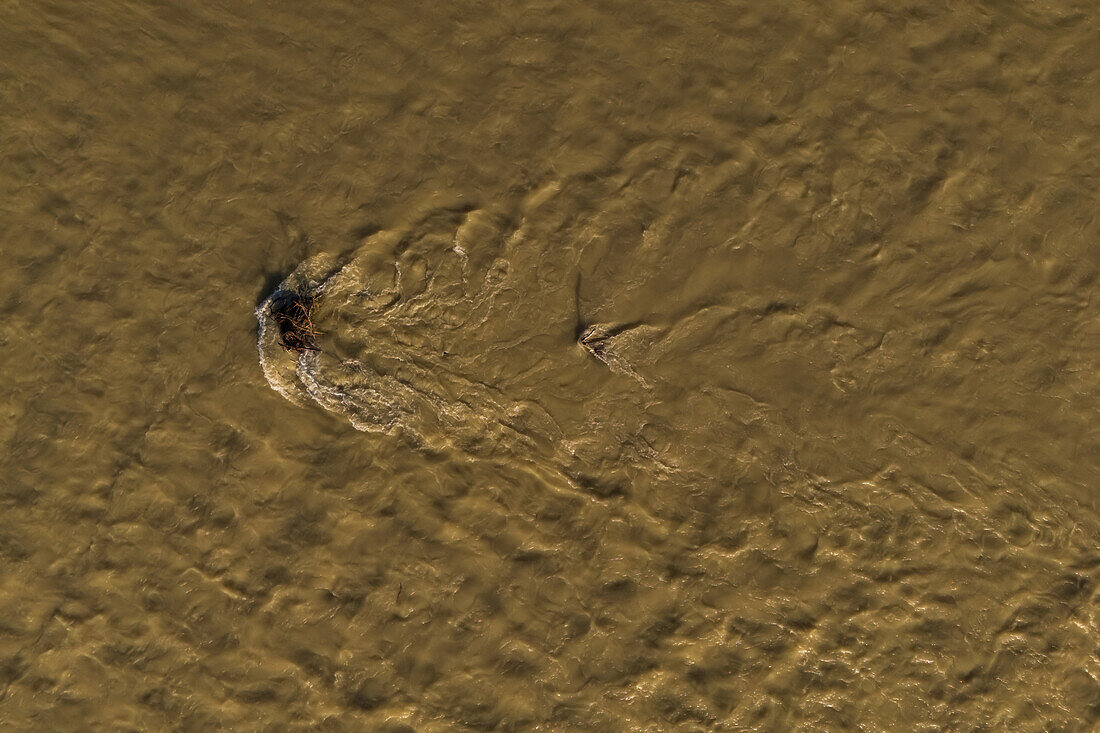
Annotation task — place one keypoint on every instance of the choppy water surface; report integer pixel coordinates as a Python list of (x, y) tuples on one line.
[(685, 366)]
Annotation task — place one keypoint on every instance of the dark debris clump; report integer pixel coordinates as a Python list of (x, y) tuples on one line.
[(293, 314)]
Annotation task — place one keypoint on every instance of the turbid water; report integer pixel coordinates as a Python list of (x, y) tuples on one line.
[(685, 366)]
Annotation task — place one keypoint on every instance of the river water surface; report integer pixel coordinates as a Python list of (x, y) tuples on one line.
[(685, 366)]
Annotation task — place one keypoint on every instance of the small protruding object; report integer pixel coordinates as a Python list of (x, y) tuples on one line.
[(293, 314)]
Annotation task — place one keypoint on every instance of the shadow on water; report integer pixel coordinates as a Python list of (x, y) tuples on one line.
[(272, 279)]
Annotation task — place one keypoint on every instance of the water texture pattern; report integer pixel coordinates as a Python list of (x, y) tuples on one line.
[(686, 366)]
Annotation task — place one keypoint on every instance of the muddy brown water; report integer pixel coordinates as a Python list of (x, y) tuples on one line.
[(710, 366)]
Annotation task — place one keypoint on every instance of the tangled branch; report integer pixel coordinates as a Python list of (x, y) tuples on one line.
[(293, 314)]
